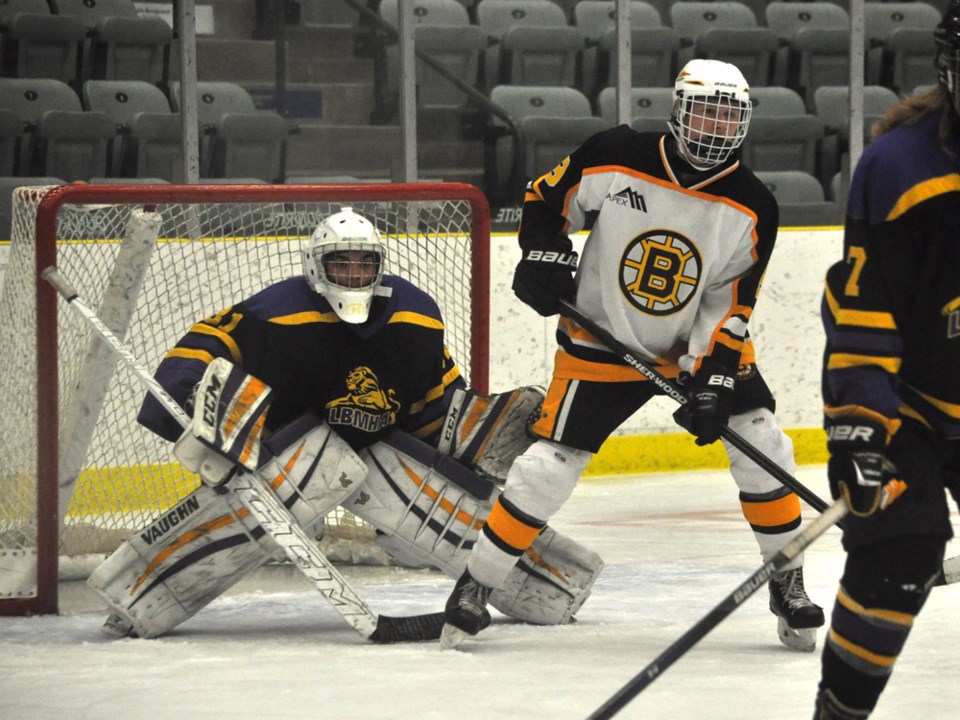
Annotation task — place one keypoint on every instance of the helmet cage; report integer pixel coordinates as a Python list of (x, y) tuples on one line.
[(709, 128)]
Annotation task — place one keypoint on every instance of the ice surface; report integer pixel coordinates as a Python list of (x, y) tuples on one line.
[(675, 545)]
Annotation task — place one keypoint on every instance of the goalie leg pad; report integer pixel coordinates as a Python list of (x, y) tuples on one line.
[(550, 583), (430, 512), (169, 570), (199, 549), (488, 432)]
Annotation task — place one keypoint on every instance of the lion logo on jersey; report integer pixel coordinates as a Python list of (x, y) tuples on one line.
[(363, 391), (660, 271)]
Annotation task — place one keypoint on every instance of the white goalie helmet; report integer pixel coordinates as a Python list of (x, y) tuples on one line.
[(344, 262), (711, 112)]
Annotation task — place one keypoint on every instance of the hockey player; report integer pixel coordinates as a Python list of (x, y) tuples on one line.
[(344, 375), (891, 311), (681, 236)]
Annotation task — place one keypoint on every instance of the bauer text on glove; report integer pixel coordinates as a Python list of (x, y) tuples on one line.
[(709, 402), (545, 277)]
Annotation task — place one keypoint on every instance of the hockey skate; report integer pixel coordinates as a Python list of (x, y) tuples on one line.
[(797, 617), (466, 611)]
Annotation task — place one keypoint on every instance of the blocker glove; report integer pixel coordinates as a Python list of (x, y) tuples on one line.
[(545, 277), (858, 468), (709, 402)]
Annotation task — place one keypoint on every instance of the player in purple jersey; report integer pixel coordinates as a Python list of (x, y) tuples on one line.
[(891, 311), (362, 349)]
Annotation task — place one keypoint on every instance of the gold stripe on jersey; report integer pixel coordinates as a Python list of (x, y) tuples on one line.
[(947, 408), (863, 413), (924, 191), (772, 513), (437, 391), (190, 354), (546, 424), (415, 318), (509, 529), (204, 329), (305, 318), (858, 318), (839, 361)]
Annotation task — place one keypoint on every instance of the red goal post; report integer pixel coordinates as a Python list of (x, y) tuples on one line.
[(77, 473)]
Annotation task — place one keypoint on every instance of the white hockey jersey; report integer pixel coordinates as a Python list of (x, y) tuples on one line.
[(673, 262)]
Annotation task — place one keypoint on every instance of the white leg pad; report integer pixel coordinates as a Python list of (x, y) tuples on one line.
[(200, 548), (430, 509)]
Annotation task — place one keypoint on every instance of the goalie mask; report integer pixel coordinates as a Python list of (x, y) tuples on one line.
[(947, 61), (344, 263), (711, 112)]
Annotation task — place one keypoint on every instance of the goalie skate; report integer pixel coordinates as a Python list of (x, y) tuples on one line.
[(797, 616)]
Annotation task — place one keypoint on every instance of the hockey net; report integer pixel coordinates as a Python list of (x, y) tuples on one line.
[(77, 473)]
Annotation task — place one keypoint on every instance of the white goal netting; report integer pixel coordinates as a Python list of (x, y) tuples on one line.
[(215, 246)]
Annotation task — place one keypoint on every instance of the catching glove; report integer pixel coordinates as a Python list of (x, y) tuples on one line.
[(709, 402), (858, 468), (545, 277)]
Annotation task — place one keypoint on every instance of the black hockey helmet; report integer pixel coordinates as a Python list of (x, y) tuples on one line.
[(947, 38)]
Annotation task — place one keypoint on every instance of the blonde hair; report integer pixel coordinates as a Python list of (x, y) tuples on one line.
[(914, 107)]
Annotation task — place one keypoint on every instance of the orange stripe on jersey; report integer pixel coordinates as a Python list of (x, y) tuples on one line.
[(547, 422), (772, 513), (513, 532)]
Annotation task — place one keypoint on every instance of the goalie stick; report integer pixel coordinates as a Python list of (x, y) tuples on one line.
[(255, 495), (832, 515), (949, 573)]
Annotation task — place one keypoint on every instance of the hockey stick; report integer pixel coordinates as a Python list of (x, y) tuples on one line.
[(831, 516), (256, 496), (673, 390), (949, 573)]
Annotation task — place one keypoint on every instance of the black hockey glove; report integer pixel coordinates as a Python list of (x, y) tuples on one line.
[(709, 402), (858, 468), (545, 277)]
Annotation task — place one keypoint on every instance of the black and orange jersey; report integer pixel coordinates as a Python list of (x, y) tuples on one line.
[(673, 262), (891, 307), (393, 370)]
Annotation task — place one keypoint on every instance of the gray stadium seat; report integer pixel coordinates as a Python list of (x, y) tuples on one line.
[(149, 143), (37, 44), (816, 45), (891, 33), (832, 105), (801, 199), (122, 45), (782, 134), (238, 140), (530, 43), (653, 46), (442, 31), (11, 130), (553, 121), (726, 31), (64, 140), (650, 107)]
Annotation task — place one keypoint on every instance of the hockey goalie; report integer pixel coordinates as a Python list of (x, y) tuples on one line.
[(336, 387)]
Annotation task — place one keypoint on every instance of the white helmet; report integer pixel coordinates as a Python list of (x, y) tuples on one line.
[(711, 112), (347, 281)]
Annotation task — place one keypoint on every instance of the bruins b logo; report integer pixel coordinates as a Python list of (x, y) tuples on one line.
[(659, 272)]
